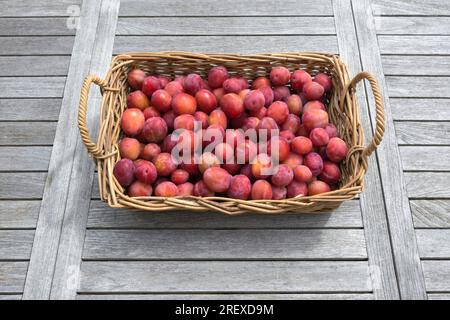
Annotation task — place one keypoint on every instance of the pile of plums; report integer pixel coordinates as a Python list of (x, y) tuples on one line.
[(270, 138)]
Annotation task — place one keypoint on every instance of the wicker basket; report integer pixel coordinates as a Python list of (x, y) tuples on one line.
[(343, 111)]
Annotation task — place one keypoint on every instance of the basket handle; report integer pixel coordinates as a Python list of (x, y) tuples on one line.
[(82, 125), (379, 107)]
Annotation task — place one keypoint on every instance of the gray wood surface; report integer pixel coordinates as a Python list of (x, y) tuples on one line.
[(437, 275), (18, 214), (48, 231), (417, 87), (225, 26), (416, 65), (224, 244), (431, 213), (420, 109), (29, 109), (225, 8), (242, 44), (404, 246), (422, 133), (15, 244), (439, 296), (81, 176), (34, 27), (34, 66), (425, 158), (428, 185), (225, 276), (36, 87), (29, 8), (410, 7), (27, 133), (12, 276), (413, 25), (433, 244), (22, 185), (34, 45), (414, 44), (25, 158), (10, 296), (374, 215)]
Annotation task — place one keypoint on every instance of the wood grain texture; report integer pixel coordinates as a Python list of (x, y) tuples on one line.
[(374, 215), (225, 26), (241, 296), (34, 66), (439, 296), (348, 215), (413, 25), (10, 297), (29, 109), (34, 27), (426, 185), (224, 8), (35, 45), (425, 158), (414, 44), (15, 244), (24, 158), (420, 109), (417, 87), (19, 214), (36, 87), (28, 8), (437, 275), (27, 133), (12, 276), (433, 244), (224, 244), (22, 185), (81, 175), (422, 133), (410, 7), (43, 256), (225, 276), (406, 257), (238, 44), (431, 213), (416, 65)]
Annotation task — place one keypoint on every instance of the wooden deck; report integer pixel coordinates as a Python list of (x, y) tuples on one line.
[(59, 241)]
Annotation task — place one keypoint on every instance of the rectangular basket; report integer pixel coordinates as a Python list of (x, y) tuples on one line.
[(343, 112)]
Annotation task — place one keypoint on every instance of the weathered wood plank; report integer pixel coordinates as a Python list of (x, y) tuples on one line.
[(404, 246), (36, 87), (420, 109), (437, 275), (439, 296), (413, 25), (27, 8), (374, 215), (10, 297), (29, 109), (348, 215), (15, 244), (36, 45), (425, 158), (19, 214), (224, 8), (225, 26), (225, 276), (242, 44), (433, 244), (417, 87), (410, 7), (224, 244), (414, 44), (241, 296), (34, 66), (22, 185), (12, 276), (431, 213), (44, 253), (27, 133), (422, 133), (427, 185), (34, 27), (81, 175), (24, 158), (416, 65)]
